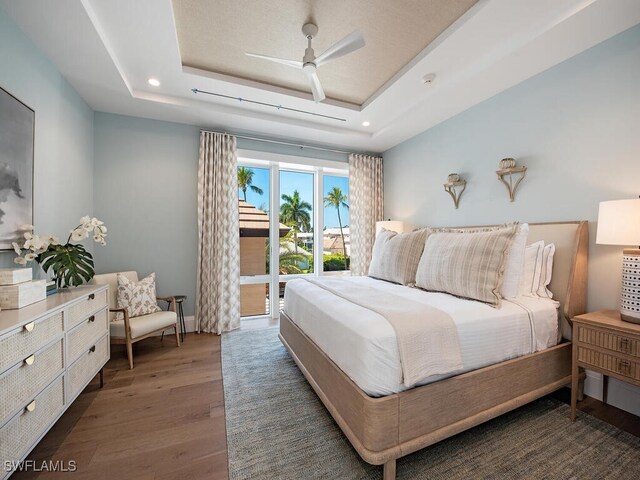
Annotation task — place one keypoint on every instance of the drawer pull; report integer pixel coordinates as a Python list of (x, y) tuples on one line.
[(31, 407), (30, 326), (30, 359), (624, 345), (92, 296), (624, 366), (92, 318), (92, 349)]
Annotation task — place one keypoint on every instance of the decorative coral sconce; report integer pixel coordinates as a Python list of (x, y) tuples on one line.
[(453, 182), (508, 168)]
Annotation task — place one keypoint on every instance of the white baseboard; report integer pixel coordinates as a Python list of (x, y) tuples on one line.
[(620, 394)]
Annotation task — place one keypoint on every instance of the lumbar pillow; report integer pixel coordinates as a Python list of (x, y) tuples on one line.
[(466, 264), (395, 256), (139, 298), (546, 271), (532, 269)]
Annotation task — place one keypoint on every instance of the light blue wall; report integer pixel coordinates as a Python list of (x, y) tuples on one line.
[(146, 174), (63, 164), (577, 129)]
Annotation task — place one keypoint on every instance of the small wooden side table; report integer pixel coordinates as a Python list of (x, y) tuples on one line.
[(604, 343)]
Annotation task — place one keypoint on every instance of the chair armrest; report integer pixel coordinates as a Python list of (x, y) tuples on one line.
[(166, 299), (171, 300), (119, 310)]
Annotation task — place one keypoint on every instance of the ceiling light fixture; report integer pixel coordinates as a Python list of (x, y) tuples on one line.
[(428, 78), (366, 124), (154, 82)]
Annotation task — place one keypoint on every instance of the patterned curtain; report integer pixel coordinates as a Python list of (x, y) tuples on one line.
[(365, 208), (218, 285)]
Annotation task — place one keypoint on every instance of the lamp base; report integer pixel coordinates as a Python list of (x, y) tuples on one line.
[(630, 305)]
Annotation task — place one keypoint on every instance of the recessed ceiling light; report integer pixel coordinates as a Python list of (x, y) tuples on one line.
[(429, 78), (154, 82), (366, 124)]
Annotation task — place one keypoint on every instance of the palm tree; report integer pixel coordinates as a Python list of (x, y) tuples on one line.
[(335, 198), (245, 179), (295, 213)]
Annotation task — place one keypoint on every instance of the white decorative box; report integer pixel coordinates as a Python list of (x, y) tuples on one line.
[(13, 276), (22, 294)]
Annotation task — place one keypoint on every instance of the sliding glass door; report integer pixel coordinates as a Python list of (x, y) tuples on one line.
[(294, 222)]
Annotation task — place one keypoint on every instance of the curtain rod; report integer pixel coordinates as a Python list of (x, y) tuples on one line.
[(299, 145)]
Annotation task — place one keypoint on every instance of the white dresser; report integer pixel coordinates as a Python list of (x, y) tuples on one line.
[(49, 352)]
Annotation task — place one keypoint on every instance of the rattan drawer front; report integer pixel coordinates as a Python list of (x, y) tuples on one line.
[(86, 334), (19, 344), (611, 341), (19, 435), (90, 305), (610, 363), (85, 368), (36, 371)]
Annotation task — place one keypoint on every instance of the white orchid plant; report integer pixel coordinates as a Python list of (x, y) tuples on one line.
[(71, 264)]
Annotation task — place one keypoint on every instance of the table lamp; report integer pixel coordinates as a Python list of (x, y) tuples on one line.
[(619, 224)]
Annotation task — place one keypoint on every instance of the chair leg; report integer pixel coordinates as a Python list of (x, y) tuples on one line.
[(130, 354), (177, 335)]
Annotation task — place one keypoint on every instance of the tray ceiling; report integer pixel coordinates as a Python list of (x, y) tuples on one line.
[(214, 36)]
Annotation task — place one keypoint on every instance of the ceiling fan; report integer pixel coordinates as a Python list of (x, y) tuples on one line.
[(310, 62)]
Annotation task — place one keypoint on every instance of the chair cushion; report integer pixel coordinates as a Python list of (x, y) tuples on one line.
[(144, 324), (139, 298)]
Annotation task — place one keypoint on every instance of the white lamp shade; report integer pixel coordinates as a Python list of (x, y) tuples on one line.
[(619, 223), (395, 226)]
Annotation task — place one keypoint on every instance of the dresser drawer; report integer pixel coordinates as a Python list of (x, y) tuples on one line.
[(19, 435), (17, 345), (86, 307), (85, 334), (610, 363), (22, 382), (609, 340), (85, 368)]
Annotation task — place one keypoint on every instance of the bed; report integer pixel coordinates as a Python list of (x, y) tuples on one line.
[(383, 419)]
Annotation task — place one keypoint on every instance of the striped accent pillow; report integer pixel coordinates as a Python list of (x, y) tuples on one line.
[(395, 256), (466, 264)]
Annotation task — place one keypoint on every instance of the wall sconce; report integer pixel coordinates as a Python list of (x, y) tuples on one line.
[(508, 167), (454, 181)]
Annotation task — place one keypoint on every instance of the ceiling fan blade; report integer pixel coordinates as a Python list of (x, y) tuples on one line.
[(316, 87), (290, 63), (348, 44)]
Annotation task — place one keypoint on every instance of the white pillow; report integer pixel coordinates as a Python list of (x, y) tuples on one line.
[(532, 269), (514, 264), (546, 271)]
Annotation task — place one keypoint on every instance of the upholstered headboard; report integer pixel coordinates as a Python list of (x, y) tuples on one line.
[(569, 281)]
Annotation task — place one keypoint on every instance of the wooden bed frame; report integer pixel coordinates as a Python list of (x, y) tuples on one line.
[(386, 428)]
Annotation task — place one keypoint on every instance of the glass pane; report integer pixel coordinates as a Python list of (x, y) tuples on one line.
[(254, 299), (296, 222), (253, 191), (336, 246)]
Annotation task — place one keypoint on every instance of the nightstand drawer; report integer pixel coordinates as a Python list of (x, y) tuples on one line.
[(610, 363), (611, 341)]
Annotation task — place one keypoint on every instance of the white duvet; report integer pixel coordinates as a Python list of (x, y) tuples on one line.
[(363, 344)]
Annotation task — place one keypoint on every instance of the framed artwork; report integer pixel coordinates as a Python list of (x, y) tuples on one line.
[(17, 127)]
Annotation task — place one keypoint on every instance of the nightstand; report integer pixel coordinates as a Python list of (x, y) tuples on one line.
[(602, 342)]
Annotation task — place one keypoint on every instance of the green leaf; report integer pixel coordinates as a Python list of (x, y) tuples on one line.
[(71, 264)]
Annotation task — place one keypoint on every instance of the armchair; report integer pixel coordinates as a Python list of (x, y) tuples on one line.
[(131, 330)]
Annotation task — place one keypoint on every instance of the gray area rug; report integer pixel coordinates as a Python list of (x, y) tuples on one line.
[(277, 428)]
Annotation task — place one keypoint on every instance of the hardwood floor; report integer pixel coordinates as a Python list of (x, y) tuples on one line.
[(165, 419)]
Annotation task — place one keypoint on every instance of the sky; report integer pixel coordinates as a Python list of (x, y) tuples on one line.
[(303, 182)]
